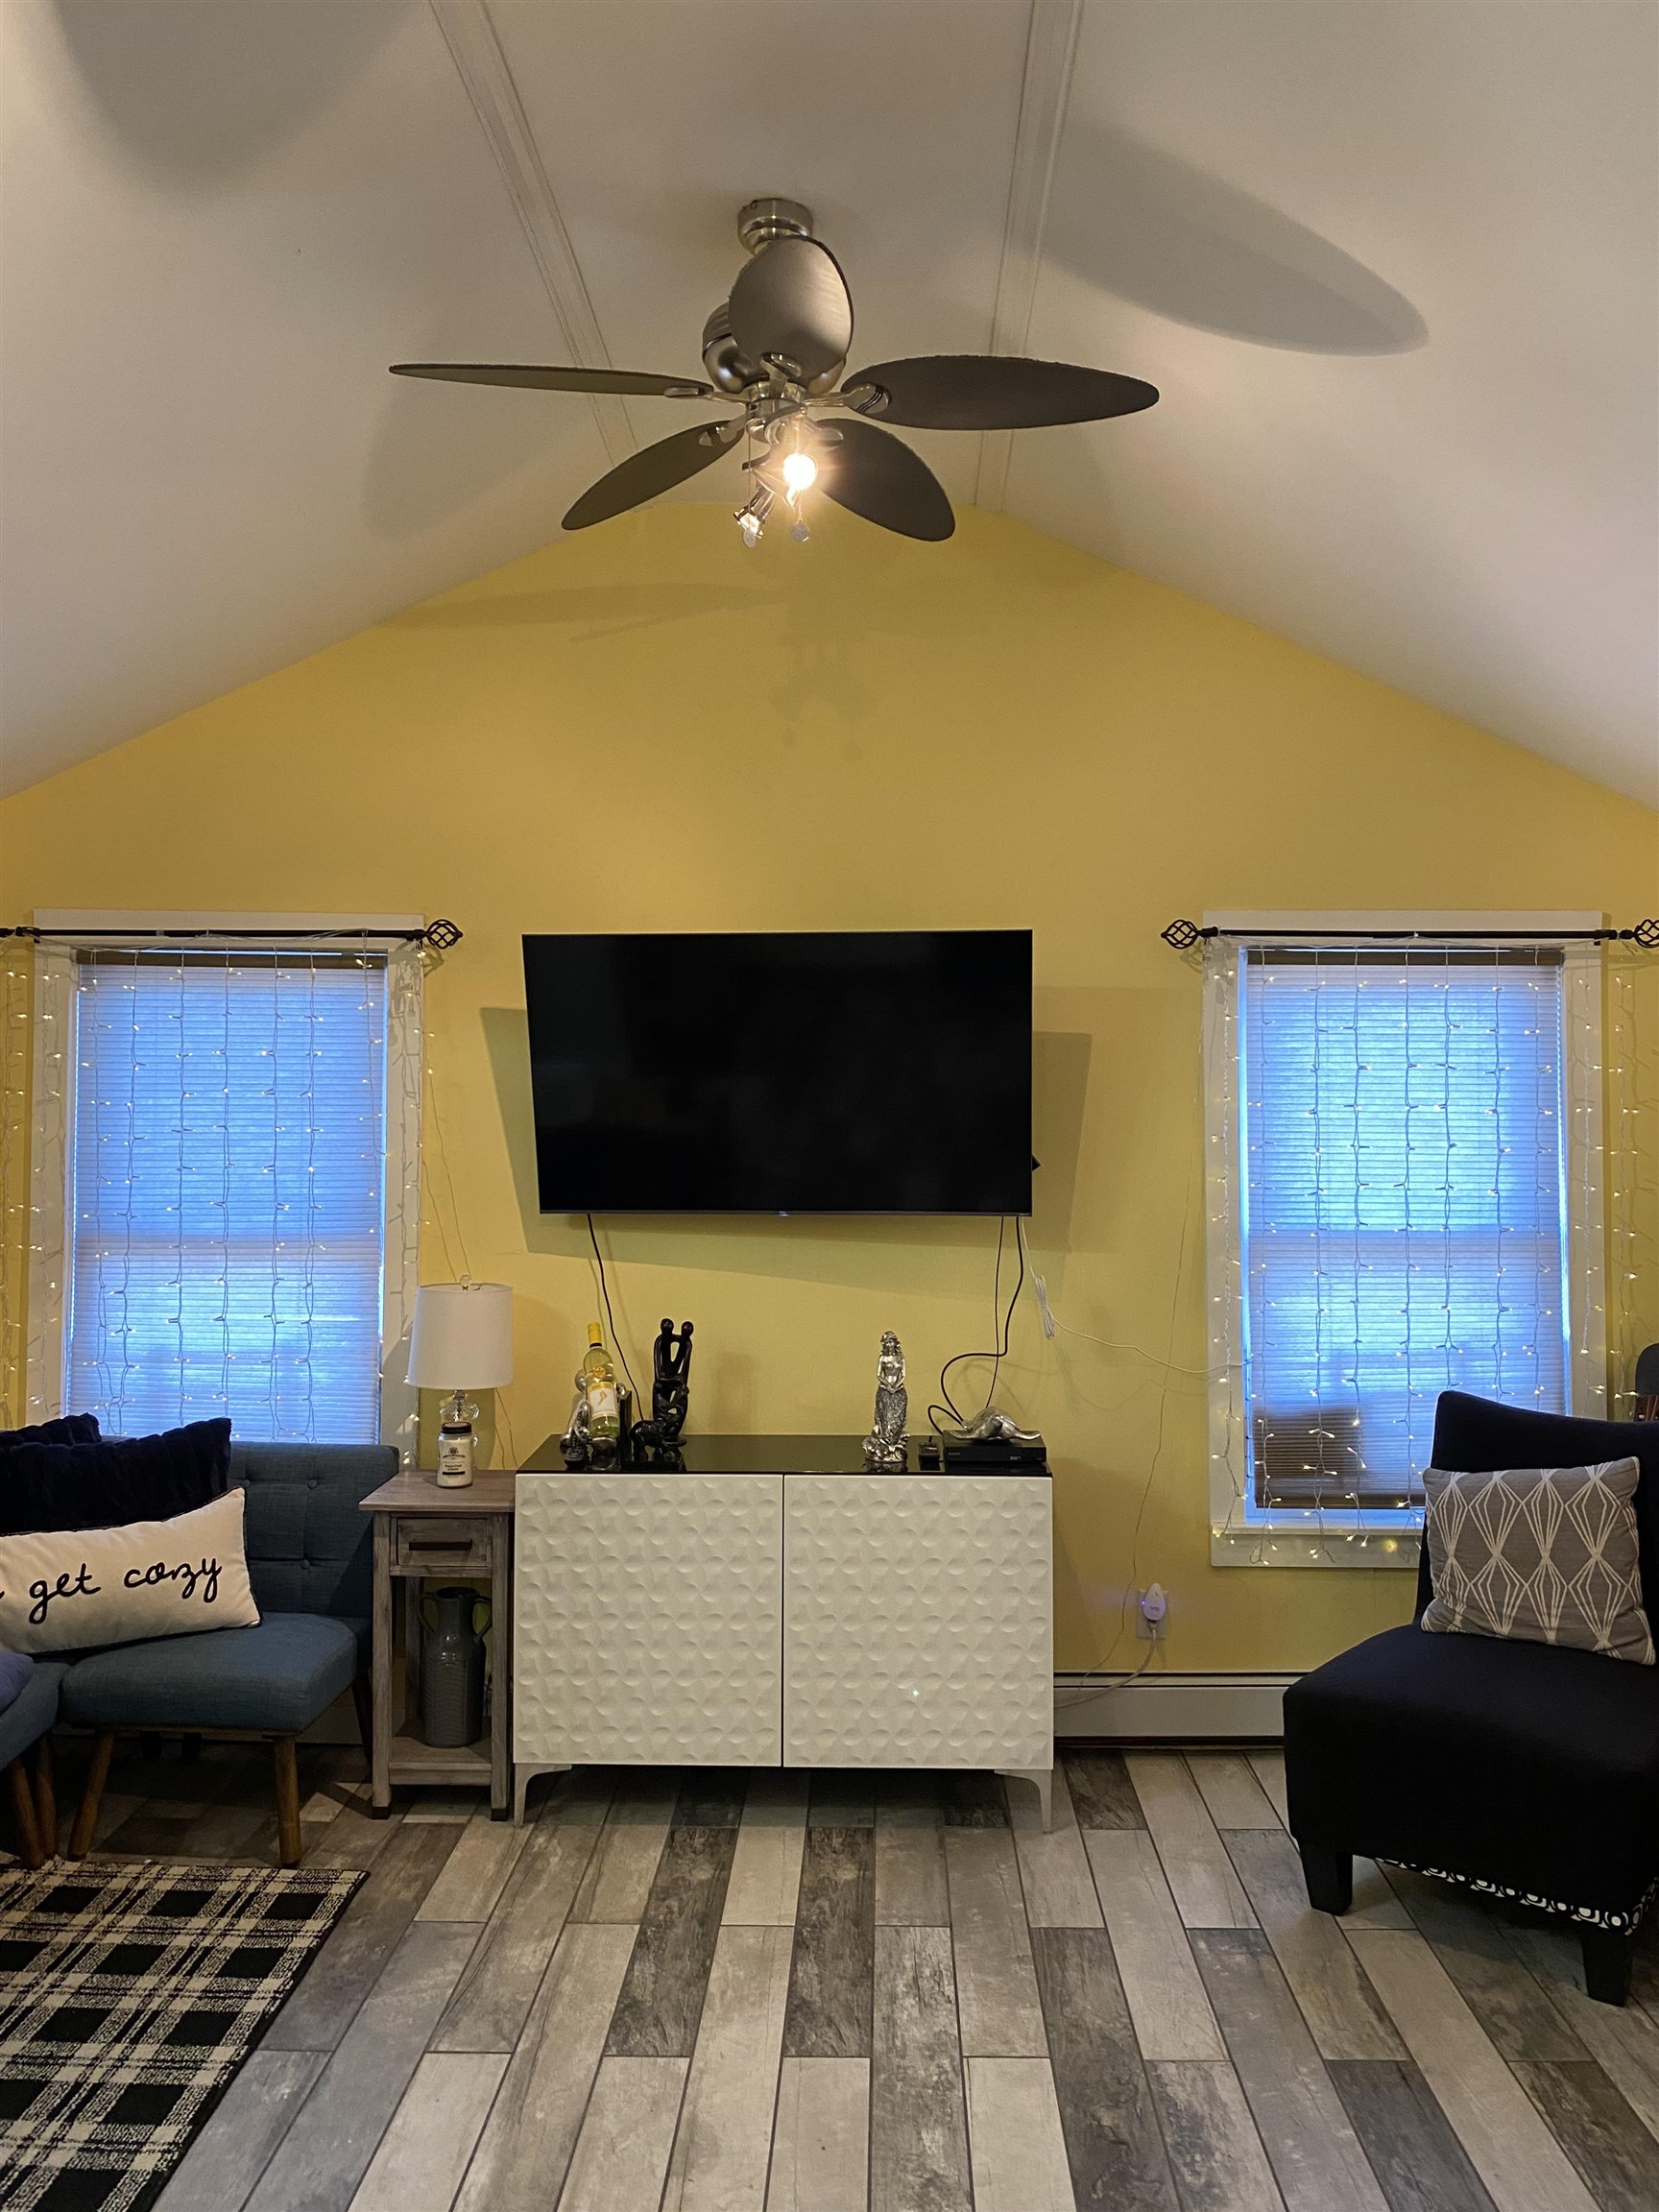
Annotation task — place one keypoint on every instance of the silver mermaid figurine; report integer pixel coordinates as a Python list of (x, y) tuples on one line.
[(884, 1446)]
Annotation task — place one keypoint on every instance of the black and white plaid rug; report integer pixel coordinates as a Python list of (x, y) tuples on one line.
[(131, 1990)]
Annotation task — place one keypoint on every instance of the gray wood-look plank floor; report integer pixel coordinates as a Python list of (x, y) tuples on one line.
[(713, 1992)]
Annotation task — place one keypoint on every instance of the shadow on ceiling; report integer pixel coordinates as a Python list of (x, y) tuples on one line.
[(1154, 231), (200, 92)]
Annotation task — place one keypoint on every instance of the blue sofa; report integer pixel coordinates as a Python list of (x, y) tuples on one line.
[(310, 1564)]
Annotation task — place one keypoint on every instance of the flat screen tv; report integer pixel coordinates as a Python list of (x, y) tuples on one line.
[(818, 1072)]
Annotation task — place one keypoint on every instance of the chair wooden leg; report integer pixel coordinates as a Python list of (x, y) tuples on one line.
[(189, 1748), (288, 1844), (92, 1796), (23, 1805), (1608, 1955), (1329, 1875), (45, 1797)]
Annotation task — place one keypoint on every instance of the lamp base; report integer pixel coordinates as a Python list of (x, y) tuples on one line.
[(456, 1445)]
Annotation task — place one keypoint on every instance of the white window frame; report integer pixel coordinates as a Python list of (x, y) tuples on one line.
[(1334, 1536), (52, 1123)]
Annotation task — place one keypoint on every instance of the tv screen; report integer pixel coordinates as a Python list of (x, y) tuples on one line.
[(820, 1073)]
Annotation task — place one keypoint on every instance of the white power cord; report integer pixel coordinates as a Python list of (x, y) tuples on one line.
[(1053, 1325)]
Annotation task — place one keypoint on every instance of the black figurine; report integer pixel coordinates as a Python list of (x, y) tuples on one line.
[(670, 1396)]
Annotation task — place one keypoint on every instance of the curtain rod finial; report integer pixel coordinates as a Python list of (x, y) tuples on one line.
[(1182, 936)]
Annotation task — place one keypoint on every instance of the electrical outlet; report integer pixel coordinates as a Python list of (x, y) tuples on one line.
[(1151, 1612)]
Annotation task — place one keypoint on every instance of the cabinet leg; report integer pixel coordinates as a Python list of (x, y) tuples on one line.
[(525, 1772), (1042, 1780)]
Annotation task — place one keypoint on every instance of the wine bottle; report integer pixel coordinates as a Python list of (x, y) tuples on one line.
[(599, 1379)]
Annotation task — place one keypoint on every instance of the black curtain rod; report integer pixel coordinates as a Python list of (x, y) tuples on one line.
[(436, 936), (1183, 935)]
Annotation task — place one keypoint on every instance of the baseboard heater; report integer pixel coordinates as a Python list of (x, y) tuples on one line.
[(1171, 1707)]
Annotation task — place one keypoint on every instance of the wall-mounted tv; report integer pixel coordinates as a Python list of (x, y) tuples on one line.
[(814, 1072)]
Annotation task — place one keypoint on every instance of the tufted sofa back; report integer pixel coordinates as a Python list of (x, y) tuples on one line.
[(309, 1547)]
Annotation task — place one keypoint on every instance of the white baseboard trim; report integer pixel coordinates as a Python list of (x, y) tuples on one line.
[(1171, 1707)]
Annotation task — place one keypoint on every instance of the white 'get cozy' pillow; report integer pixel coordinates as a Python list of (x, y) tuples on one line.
[(66, 1587)]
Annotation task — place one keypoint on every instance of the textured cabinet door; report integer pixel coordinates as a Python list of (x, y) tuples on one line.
[(917, 1621), (648, 1625)]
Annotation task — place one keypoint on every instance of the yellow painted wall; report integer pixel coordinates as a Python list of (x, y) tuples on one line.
[(645, 728)]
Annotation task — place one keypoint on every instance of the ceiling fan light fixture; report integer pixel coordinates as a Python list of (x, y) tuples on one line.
[(751, 516)]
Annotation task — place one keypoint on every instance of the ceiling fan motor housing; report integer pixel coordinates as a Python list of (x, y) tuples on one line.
[(728, 366)]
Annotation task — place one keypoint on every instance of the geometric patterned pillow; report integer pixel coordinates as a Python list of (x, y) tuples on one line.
[(1546, 1554)]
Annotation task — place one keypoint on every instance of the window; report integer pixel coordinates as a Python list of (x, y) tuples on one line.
[(1403, 1202), (237, 1232)]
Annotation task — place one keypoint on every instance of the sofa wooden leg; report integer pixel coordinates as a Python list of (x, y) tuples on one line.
[(23, 1805), (92, 1796), (45, 1797), (1329, 1874), (288, 1844), (1608, 1954)]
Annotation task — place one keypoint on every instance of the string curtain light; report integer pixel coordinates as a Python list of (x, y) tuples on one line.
[(226, 1196), (16, 1015), (1404, 1227), (1410, 1143)]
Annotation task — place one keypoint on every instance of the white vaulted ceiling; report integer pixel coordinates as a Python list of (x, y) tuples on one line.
[(1393, 264)]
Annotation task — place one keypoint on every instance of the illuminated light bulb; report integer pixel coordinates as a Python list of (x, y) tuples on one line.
[(800, 472)]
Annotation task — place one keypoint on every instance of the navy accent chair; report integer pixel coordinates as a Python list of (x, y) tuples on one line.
[(310, 1563), (25, 1726), (1526, 1771)]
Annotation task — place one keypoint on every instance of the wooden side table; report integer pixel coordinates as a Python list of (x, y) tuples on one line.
[(424, 1532)]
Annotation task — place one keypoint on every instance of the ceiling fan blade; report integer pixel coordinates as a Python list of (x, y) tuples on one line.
[(657, 468), (881, 478), (791, 302), (630, 382), (994, 392)]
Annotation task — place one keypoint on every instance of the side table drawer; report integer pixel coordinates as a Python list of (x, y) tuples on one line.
[(441, 1544)]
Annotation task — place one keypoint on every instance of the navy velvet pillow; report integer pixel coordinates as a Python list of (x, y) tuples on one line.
[(118, 1479), (16, 1668), (68, 1429)]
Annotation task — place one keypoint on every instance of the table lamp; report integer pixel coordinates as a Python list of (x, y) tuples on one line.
[(462, 1340)]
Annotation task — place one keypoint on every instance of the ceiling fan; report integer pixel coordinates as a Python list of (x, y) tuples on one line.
[(776, 349)]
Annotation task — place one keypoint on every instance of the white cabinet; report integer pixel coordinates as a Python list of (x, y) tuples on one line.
[(647, 1620), (763, 1618)]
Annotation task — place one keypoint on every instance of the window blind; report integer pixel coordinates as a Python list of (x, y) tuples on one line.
[(228, 1192), (1404, 1206)]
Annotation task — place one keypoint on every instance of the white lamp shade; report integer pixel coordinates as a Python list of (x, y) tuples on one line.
[(462, 1336)]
